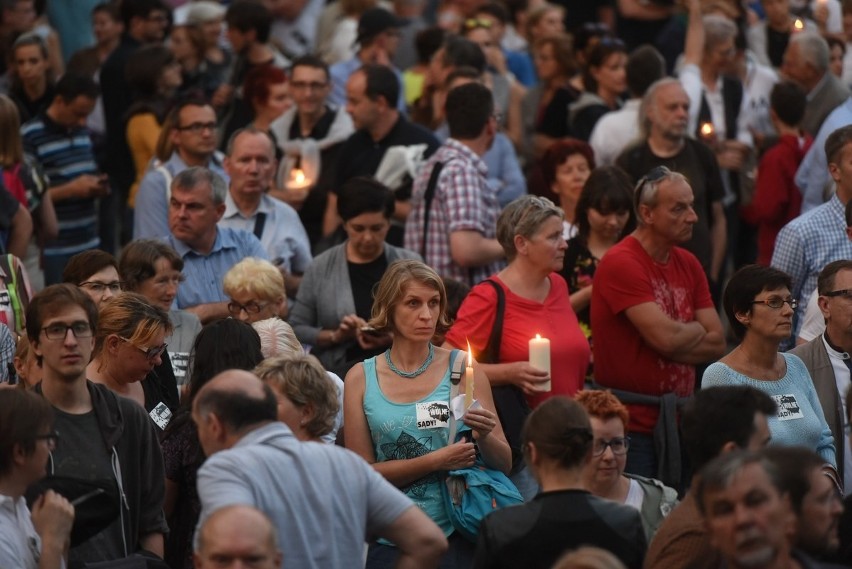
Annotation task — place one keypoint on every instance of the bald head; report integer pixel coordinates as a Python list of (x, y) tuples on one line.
[(229, 406), (237, 535)]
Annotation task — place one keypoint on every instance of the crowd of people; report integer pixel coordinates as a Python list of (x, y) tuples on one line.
[(273, 274)]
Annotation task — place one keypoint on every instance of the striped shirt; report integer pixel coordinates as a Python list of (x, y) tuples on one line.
[(65, 153)]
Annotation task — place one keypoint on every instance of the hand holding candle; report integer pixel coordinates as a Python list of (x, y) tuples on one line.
[(468, 379), (540, 358)]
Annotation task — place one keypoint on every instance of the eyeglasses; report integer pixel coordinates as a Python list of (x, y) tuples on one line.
[(845, 293), (101, 287), (59, 331), (619, 446), (777, 302), (51, 438), (475, 23), (308, 85), (150, 353), (198, 127), (169, 281), (251, 308), (652, 177)]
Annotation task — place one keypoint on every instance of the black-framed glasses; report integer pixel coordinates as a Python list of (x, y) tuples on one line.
[(251, 308), (619, 446), (845, 293), (52, 439), (150, 353), (99, 287), (59, 330), (198, 127), (777, 302), (652, 177)]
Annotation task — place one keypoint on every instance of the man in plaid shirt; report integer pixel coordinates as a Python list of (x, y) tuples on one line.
[(460, 236)]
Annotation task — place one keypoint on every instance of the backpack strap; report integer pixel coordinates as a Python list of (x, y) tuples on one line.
[(428, 196), (457, 365), (492, 348), (7, 263)]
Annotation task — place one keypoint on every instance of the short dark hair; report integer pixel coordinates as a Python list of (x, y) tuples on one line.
[(607, 190), (247, 15), (795, 464), (716, 416), (138, 261), (718, 474), (53, 299), (238, 410), (83, 265), (111, 9), (381, 81), (459, 52), (427, 42), (744, 286), (560, 429), (468, 109), (310, 60), (495, 9), (73, 85), (139, 9), (789, 101), (23, 416), (363, 194), (825, 280), (644, 66), (836, 142), (145, 67)]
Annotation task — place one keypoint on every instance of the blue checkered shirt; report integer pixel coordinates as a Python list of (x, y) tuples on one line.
[(806, 245)]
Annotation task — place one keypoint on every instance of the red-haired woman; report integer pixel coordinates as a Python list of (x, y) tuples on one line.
[(565, 167), (604, 474)]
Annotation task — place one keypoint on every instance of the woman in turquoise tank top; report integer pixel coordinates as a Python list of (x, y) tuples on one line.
[(396, 405)]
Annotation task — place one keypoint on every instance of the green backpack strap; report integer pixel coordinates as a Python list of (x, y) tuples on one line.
[(7, 263)]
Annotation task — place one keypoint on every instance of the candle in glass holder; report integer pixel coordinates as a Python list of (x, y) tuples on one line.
[(468, 379), (540, 358)]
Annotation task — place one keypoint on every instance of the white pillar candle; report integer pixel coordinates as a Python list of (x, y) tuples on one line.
[(540, 358)]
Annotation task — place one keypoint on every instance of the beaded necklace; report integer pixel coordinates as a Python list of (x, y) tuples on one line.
[(411, 374)]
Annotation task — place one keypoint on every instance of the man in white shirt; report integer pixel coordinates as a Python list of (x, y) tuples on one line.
[(616, 130)]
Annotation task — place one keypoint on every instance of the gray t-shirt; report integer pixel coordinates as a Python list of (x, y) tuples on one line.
[(324, 500), (81, 453)]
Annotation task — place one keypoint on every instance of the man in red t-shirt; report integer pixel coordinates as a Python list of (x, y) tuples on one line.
[(652, 314)]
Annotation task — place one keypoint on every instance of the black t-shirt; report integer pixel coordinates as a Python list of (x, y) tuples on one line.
[(552, 120), (363, 277), (361, 155), (698, 164), (82, 454), (776, 45)]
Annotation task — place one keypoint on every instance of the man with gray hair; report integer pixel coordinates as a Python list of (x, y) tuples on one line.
[(652, 302), (196, 204), (806, 63), (748, 513), (664, 116)]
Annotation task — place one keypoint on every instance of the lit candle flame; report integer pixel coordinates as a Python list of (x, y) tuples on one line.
[(707, 129), (469, 355), (297, 179), (538, 336), (798, 25)]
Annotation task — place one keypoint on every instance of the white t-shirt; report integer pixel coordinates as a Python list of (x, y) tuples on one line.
[(20, 545), (813, 324), (635, 495)]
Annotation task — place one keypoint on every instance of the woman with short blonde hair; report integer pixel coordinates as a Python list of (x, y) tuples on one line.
[(256, 289)]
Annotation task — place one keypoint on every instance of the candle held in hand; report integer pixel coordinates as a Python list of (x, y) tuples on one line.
[(468, 380), (540, 358)]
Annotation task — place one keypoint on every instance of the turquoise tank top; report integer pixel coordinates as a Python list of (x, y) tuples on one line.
[(408, 430)]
